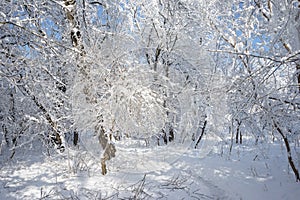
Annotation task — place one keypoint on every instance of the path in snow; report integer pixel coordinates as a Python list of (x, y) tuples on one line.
[(165, 172), (139, 172)]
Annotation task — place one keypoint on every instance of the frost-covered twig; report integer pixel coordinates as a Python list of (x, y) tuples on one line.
[(176, 183), (140, 189), (291, 58)]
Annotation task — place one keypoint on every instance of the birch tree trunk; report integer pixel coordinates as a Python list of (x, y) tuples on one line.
[(84, 77)]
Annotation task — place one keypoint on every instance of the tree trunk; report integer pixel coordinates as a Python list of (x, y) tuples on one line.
[(76, 39), (57, 135), (298, 76), (109, 150), (297, 18), (201, 135), (84, 75), (238, 136), (288, 150), (75, 138)]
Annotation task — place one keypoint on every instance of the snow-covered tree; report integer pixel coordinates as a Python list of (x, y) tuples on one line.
[(31, 67), (159, 70), (257, 38)]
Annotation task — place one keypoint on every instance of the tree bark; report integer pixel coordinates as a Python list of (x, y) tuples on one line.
[(288, 150), (298, 76), (57, 136), (76, 39), (238, 136), (201, 135), (109, 150)]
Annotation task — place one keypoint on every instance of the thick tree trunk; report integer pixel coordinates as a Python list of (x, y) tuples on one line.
[(76, 39), (84, 75)]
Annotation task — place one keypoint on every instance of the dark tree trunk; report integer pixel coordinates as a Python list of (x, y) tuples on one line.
[(75, 138), (57, 137), (238, 136), (298, 76), (201, 135), (288, 151)]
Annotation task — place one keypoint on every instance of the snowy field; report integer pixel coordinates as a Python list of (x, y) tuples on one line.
[(164, 172)]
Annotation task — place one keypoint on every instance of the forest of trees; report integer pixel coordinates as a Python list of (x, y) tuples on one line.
[(166, 71)]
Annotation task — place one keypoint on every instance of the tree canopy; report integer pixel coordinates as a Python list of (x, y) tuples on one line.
[(160, 70)]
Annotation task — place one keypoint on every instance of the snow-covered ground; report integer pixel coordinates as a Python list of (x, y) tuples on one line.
[(161, 172)]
